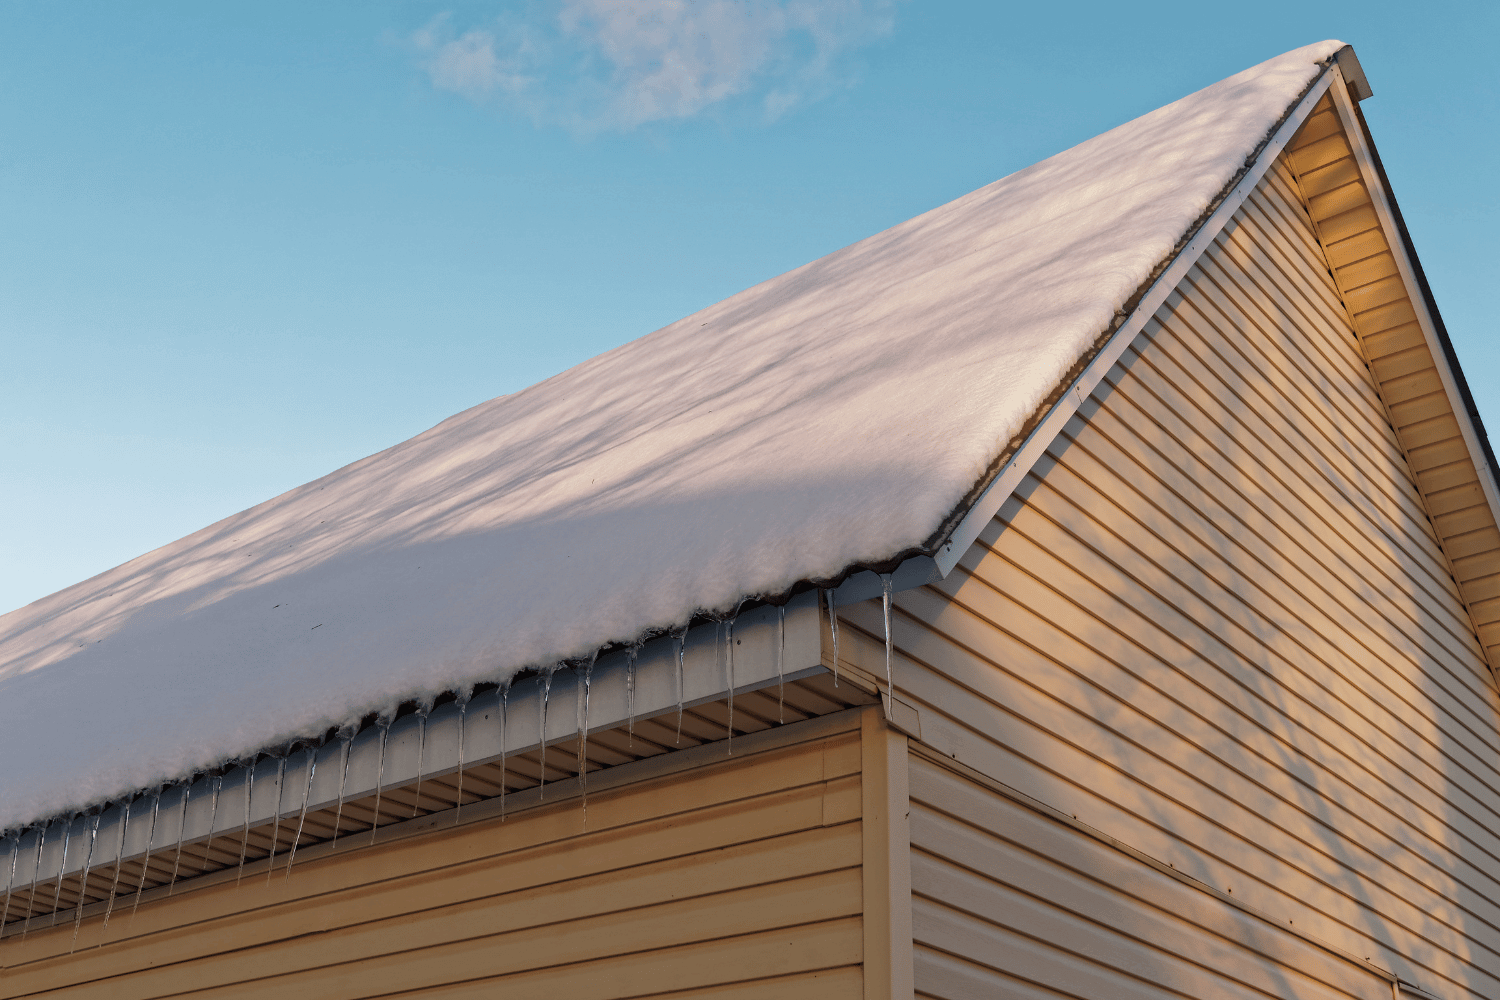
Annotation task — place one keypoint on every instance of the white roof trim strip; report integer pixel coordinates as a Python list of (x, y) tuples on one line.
[(1042, 436)]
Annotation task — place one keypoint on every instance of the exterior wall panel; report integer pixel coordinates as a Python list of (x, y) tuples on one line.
[(1217, 624), (1009, 901)]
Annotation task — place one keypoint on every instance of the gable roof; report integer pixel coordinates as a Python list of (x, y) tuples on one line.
[(844, 414)]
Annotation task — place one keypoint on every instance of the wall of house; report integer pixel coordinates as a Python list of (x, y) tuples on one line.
[(725, 875), (1013, 902), (1215, 624)]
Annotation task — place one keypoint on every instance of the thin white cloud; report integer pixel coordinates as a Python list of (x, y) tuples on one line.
[(608, 64), (470, 63)]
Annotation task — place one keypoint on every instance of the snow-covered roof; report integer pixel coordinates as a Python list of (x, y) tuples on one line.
[(834, 416)]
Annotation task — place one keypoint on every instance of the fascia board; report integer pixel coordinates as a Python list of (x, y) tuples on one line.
[(1437, 343), (1042, 436)]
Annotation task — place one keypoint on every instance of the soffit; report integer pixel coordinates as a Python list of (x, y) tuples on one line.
[(1377, 279)]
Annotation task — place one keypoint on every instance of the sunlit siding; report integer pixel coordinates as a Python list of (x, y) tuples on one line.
[(735, 878), (1011, 902), (1216, 624)]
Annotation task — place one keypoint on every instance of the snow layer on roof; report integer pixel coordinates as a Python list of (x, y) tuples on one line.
[(830, 416)]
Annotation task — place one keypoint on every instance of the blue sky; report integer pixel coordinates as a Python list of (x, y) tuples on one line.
[(245, 244)]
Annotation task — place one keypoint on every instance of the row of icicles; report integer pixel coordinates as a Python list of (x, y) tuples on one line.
[(345, 735)]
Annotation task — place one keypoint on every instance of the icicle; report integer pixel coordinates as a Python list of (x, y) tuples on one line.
[(302, 816), (36, 878), (546, 685), (346, 739), (114, 886), (10, 883), (583, 735), (504, 700), (146, 861), (730, 642), (213, 816), (276, 812), (423, 710), (885, 604), (245, 834), (83, 881), (729, 673), (187, 792), (384, 722), (681, 651), (833, 628), (312, 769), (780, 672), (62, 867), (463, 718), (630, 655)]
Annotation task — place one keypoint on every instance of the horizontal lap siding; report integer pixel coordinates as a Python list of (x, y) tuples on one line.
[(736, 879), (1009, 902), (1216, 623)]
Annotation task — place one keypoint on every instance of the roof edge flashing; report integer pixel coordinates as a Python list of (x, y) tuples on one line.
[(1354, 74)]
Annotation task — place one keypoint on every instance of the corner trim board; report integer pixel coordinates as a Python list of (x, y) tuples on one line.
[(889, 960)]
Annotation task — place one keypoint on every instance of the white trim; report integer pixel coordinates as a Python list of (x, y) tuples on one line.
[(1380, 199), (1062, 411), (885, 833), (1354, 74)]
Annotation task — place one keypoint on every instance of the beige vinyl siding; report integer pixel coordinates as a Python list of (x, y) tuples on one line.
[(1009, 901), (740, 877), (1216, 623)]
